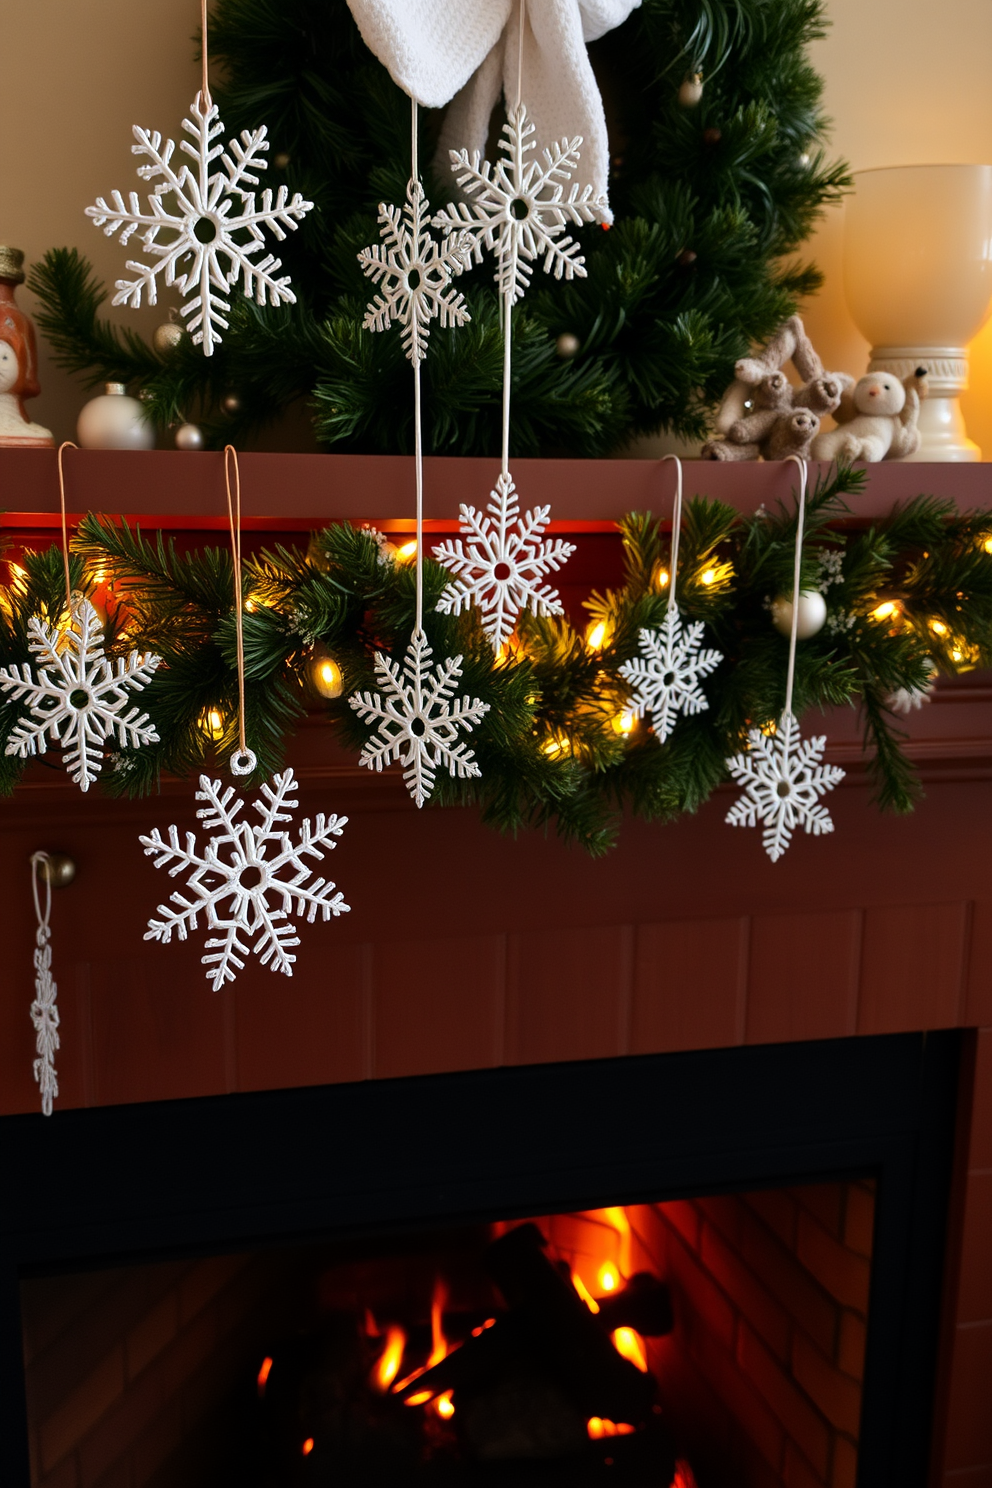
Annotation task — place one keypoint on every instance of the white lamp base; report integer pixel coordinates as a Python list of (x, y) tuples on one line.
[(943, 435)]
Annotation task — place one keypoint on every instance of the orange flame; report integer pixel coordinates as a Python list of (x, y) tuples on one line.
[(584, 1292), (598, 1427), (478, 1332), (388, 1365), (630, 1345), (263, 1374), (445, 1406), (608, 1277), (439, 1344), (307, 1446), (616, 1218)]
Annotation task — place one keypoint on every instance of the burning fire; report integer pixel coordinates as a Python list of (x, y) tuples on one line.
[(631, 1346), (307, 1446), (440, 1349), (598, 1428), (584, 1292), (389, 1361), (263, 1375)]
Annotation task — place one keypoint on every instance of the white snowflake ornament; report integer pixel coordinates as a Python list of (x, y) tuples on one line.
[(417, 720), (665, 677), (76, 696), (202, 230), (414, 273), (256, 871), (519, 208), (45, 1017), (783, 781), (500, 565)]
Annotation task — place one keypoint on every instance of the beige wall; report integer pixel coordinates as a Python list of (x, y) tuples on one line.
[(907, 81)]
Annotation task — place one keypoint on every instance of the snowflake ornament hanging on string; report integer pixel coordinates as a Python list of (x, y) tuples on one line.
[(75, 695), (417, 721), (519, 209), (783, 781), (45, 1017), (257, 871), (414, 273), (500, 564), (203, 230), (665, 677)]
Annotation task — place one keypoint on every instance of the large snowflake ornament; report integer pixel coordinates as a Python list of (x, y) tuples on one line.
[(783, 782), (414, 273), (245, 879), (76, 696), (519, 208), (417, 720), (500, 564), (665, 677), (202, 230)]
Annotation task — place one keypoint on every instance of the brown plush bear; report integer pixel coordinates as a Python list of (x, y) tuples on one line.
[(774, 428), (792, 435)]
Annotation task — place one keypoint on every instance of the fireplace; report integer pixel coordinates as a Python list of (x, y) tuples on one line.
[(195, 1279)]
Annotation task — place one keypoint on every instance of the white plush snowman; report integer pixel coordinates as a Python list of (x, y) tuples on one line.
[(877, 421)]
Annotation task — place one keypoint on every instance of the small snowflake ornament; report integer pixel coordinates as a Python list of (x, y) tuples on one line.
[(665, 677), (414, 273), (500, 564), (783, 781), (76, 696), (246, 878), (519, 208), (45, 1017), (202, 230), (417, 721)]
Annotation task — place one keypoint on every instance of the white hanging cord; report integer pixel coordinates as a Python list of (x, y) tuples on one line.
[(206, 102), (676, 529), (66, 444), (506, 307), (520, 52), (794, 632), (418, 438), (243, 761), (44, 1013)]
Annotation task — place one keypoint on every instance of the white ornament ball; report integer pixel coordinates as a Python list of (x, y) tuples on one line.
[(812, 613), (691, 91), (189, 437), (166, 338), (114, 421), (568, 345)]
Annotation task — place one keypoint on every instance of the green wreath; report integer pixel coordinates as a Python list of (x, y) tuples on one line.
[(710, 202)]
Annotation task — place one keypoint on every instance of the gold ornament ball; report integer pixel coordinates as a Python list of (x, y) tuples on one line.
[(568, 346), (189, 437), (231, 403), (812, 614), (166, 338), (691, 91), (59, 870)]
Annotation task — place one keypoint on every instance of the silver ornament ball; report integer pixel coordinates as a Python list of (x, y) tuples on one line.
[(189, 437), (812, 614), (691, 91), (568, 346), (166, 338), (112, 420)]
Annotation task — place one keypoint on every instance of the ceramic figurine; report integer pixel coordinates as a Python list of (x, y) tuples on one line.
[(18, 362)]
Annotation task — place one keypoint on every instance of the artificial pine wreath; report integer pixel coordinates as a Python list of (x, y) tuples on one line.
[(712, 191), (904, 596)]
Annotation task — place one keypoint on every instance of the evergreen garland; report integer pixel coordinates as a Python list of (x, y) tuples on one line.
[(905, 596), (710, 203)]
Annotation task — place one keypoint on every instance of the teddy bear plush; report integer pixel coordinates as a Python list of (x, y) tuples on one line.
[(755, 417), (877, 421)]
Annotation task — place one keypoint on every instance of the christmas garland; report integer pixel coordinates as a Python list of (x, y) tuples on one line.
[(715, 184), (905, 597)]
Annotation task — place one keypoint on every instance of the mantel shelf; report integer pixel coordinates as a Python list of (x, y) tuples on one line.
[(295, 492)]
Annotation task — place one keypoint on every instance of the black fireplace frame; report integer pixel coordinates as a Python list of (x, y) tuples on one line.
[(121, 1184)]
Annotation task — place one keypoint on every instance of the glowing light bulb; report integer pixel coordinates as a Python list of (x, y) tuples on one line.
[(662, 578), (987, 545), (407, 552), (554, 747), (883, 611), (709, 576), (597, 632), (624, 723), (326, 674), (938, 627), (211, 723)]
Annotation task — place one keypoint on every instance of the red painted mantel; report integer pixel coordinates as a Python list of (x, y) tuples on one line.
[(465, 950)]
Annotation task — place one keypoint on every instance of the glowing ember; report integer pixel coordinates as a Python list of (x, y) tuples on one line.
[(388, 1365), (584, 1292), (307, 1446), (444, 1406), (439, 1344), (629, 1344), (263, 1375), (597, 1428), (478, 1332)]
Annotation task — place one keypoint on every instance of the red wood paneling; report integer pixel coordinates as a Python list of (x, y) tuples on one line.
[(912, 967), (792, 994), (569, 994), (438, 1005), (689, 982)]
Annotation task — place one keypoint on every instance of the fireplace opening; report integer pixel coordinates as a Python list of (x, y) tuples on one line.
[(712, 1340), (398, 1281)]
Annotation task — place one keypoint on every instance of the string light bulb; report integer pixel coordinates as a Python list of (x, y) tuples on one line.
[(211, 723), (885, 610), (708, 577), (938, 627), (662, 578), (325, 674), (597, 634), (625, 723), (407, 553)]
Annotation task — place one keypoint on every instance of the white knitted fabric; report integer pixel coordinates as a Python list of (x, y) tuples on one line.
[(467, 51)]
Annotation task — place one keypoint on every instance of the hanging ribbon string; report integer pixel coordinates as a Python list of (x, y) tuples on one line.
[(418, 440), (44, 1013), (66, 444), (243, 761), (676, 529), (206, 102), (796, 579), (507, 306)]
